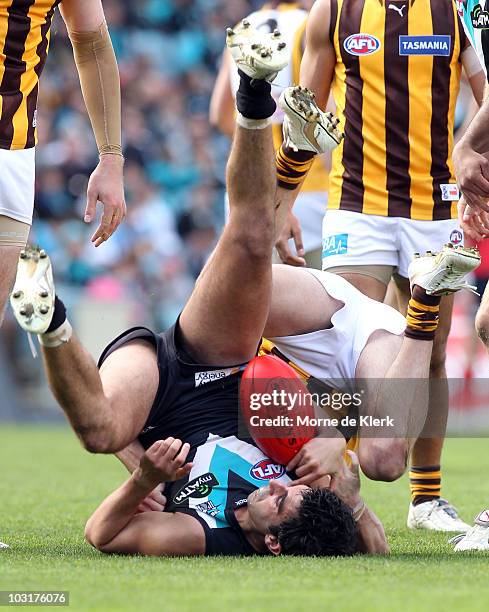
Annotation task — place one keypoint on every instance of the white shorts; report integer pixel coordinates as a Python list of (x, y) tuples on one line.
[(17, 175), (309, 209), (333, 354), (355, 239)]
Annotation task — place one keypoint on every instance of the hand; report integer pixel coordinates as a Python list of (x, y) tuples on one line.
[(318, 459), (472, 172), (347, 482), (154, 502), (106, 185), (164, 461), (475, 223), (291, 229)]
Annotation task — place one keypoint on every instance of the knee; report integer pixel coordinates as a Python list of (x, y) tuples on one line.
[(384, 460), (256, 240), (482, 326)]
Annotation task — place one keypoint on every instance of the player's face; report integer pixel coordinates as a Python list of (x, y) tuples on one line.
[(273, 504)]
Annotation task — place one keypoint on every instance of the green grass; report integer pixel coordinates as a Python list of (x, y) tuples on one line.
[(49, 486)]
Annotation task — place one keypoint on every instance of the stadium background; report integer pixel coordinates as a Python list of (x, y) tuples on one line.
[(168, 54)]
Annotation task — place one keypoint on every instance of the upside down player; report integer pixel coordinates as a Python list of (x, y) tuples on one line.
[(394, 70), (155, 390), (24, 43)]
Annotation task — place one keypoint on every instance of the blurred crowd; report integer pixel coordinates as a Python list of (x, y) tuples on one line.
[(168, 54)]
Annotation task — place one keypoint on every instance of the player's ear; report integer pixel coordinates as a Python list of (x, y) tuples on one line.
[(272, 544)]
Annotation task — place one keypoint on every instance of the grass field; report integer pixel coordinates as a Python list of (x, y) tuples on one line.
[(49, 486)]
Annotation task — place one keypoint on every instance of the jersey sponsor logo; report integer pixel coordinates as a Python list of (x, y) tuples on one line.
[(450, 192), (203, 378), (266, 470), (335, 245), (208, 507), (479, 17), (196, 488), (240, 502), (456, 237), (425, 45), (361, 44)]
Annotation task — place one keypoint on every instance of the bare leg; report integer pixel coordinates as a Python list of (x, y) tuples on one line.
[(9, 256), (428, 448), (224, 319), (395, 371)]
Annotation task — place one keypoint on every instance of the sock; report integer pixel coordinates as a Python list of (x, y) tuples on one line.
[(425, 483), (59, 330), (422, 315), (292, 166), (254, 98)]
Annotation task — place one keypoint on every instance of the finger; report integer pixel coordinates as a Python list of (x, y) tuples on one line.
[(105, 223), (153, 449), (153, 505), (184, 471), (476, 201), (306, 480), (91, 206), (174, 449), (468, 212), (164, 446), (295, 461), (299, 245), (295, 260), (307, 469), (183, 454), (355, 464)]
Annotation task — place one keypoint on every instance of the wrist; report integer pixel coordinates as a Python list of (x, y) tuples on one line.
[(141, 482), (358, 509), (111, 159)]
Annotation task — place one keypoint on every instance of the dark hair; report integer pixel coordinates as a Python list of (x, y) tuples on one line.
[(323, 527)]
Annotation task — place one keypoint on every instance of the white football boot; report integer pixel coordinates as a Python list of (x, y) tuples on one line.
[(2, 545), (32, 298), (435, 515), (443, 273), (306, 127), (477, 537), (259, 55)]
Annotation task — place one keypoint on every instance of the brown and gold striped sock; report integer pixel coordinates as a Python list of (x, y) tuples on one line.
[(422, 315), (292, 166), (425, 483)]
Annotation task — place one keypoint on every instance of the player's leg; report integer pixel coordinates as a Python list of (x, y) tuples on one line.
[(482, 319), (9, 255), (225, 316), (402, 392), (427, 509), (106, 409)]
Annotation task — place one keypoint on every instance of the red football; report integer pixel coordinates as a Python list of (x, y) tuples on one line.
[(276, 408)]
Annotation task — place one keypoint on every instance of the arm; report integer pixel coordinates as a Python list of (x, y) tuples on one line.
[(99, 78), (221, 111), (115, 527), (371, 533)]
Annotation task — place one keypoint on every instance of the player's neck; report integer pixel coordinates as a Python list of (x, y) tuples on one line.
[(254, 537)]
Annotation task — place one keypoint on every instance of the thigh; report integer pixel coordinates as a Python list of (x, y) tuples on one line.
[(224, 318)]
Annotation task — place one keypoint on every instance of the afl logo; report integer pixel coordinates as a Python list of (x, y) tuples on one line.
[(266, 470), (456, 237), (361, 44)]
